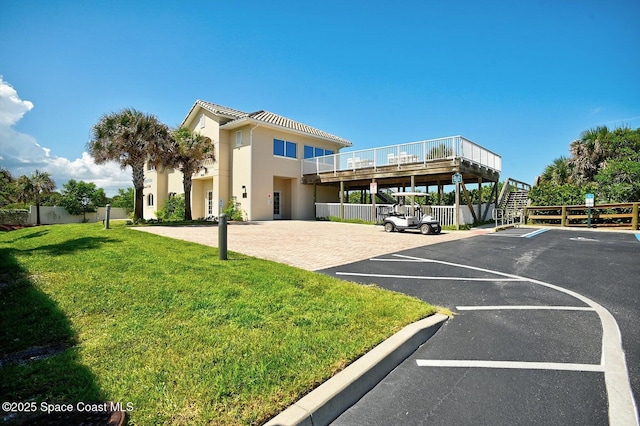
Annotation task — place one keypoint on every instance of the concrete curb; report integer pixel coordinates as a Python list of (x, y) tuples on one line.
[(324, 404)]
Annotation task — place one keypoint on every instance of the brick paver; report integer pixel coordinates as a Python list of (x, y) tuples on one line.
[(309, 245)]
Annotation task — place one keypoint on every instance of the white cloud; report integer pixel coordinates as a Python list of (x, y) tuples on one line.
[(12, 108), (21, 153)]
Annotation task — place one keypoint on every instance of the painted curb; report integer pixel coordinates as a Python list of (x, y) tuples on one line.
[(325, 403)]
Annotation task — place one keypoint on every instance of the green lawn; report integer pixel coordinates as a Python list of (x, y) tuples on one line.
[(164, 325)]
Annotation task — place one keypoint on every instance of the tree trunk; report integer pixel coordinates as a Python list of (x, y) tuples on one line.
[(138, 184), (186, 183)]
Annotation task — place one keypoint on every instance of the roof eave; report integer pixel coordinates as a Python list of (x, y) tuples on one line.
[(248, 120)]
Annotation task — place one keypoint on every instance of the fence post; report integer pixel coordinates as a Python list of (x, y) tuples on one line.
[(563, 219), (634, 216)]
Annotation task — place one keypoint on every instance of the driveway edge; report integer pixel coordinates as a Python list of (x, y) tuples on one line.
[(325, 403)]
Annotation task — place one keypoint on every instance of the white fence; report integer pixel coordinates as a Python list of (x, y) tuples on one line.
[(444, 214), (408, 153), (52, 215)]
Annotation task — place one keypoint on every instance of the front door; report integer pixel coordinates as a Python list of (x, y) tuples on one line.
[(277, 205), (208, 205)]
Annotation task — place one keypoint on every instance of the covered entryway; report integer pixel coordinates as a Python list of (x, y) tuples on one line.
[(282, 198)]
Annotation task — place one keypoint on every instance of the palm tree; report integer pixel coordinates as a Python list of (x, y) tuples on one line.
[(558, 172), (31, 188), (131, 138), (7, 183), (189, 155), (587, 153)]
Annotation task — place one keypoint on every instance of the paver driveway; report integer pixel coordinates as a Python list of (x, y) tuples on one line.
[(310, 245)]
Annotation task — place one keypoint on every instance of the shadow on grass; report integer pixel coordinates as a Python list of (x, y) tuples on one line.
[(72, 246), (38, 360)]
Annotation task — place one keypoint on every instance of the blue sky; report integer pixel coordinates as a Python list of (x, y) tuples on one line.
[(521, 78)]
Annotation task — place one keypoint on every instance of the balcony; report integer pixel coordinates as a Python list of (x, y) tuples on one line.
[(408, 154)]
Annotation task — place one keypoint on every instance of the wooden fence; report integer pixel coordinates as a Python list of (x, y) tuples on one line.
[(623, 215)]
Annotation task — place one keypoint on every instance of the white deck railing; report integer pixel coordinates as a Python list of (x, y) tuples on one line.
[(408, 153), (444, 214)]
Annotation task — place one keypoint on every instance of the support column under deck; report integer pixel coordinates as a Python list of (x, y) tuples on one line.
[(341, 199)]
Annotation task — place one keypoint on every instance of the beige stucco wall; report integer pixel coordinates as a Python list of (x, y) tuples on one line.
[(156, 183), (241, 170), (271, 173)]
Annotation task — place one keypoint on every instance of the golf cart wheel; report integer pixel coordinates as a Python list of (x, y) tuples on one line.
[(388, 227), (437, 229), (425, 229)]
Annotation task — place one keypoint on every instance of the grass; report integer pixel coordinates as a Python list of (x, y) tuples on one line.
[(164, 325), (356, 221)]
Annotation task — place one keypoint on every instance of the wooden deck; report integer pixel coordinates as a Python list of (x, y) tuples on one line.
[(430, 173), (422, 163)]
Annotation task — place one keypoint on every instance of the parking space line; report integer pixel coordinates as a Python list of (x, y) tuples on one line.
[(622, 405), (419, 277), (520, 365), (525, 308), (534, 233)]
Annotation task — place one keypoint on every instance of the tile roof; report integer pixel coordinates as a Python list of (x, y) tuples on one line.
[(268, 118), (278, 120), (221, 110)]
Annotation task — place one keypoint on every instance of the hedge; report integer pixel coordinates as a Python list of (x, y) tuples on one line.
[(14, 217)]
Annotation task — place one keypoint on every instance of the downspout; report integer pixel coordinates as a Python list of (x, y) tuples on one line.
[(250, 213)]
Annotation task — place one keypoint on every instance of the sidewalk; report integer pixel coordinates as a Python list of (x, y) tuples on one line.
[(311, 245)]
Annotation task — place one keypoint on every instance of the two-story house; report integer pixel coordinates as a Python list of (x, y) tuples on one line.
[(258, 166)]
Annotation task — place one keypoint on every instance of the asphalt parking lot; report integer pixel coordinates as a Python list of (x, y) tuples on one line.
[(535, 338)]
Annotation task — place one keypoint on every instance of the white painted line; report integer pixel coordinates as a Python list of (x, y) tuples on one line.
[(377, 259), (524, 308), (622, 405), (510, 364), (419, 277), (534, 233)]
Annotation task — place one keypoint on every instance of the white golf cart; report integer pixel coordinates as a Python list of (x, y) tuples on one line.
[(406, 214)]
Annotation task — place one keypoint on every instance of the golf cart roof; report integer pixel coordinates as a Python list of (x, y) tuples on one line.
[(408, 194)]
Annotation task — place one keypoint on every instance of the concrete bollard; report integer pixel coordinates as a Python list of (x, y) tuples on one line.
[(222, 237), (107, 214)]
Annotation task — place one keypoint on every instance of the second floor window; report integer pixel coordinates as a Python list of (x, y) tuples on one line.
[(284, 148), (312, 151)]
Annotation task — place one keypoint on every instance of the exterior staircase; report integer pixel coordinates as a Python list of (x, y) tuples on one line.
[(512, 201), (384, 196)]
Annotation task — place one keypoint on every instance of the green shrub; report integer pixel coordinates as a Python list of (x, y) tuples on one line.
[(14, 217), (233, 212), (172, 209)]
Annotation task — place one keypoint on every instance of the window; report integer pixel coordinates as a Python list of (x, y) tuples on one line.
[(284, 148), (150, 200), (312, 151), (308, 151), (239, 138), (202, 121), (291, 150)]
